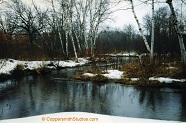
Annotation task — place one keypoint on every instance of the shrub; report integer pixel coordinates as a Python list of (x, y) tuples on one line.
[(158, 69)]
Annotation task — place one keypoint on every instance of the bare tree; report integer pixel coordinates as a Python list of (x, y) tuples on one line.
[(57, 26), (44, 19), (25, 19), (129, 30), (7, 25), (178, 31), (98, 13), (139, 26), (82, 8), (152, 34), (68, 20)]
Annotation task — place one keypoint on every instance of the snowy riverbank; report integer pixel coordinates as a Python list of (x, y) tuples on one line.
[(7, 66), (80, 117), (119, 76)]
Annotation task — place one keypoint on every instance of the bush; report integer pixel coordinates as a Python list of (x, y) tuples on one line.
[(158, 69)]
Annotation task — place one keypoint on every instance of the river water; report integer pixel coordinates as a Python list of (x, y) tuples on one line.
[(56, 92)]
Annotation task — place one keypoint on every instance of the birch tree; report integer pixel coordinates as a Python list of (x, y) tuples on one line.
[(179, 33), (99, 12), (58, 27), (82, 8), (152, 34), (43, 17), (139, 26), (67, 8), (71, 27)]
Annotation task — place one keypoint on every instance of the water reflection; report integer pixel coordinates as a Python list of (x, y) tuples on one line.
[(34, 95), (183, 109)]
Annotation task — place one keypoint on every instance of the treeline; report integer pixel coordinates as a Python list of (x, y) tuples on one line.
[(72, 29), (62, 29), (110, 41), (127, 39)]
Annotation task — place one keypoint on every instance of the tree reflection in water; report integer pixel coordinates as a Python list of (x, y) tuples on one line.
[(35, 95)]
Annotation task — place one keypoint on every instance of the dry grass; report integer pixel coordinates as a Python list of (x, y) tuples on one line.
[(97, 78), (137, 70), (171, 69)]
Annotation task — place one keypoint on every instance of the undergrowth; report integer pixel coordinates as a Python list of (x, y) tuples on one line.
[(169, 69)]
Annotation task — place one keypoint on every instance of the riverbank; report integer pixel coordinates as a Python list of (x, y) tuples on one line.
[(79, 117), (10, 68), (161, 75), (112, 77)]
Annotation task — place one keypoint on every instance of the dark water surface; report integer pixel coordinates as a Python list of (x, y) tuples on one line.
[(36, 95)]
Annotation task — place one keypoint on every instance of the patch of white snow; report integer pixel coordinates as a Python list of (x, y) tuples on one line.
[(7, 66), (89, 74), (134, 79), (114, 74), (167, 80), (72, 116)]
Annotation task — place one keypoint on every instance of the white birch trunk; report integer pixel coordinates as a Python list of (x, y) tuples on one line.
[(73, 44), (66, 35), (78, 42), (152, 35), (56, 22), (178, 31), (139, 26), (70, 25)]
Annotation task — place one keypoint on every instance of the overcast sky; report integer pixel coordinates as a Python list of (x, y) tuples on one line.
[(124, 17)]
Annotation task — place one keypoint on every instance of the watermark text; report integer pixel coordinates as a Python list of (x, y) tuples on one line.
[(82, 119)]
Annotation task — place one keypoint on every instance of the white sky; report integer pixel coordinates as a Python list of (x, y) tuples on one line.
[(124, 17)]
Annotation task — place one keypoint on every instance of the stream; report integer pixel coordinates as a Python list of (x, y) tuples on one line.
[(56, 92)]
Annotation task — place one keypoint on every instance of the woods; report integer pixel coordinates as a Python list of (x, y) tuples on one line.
[(112, 57), (71, 28), (65, 28)]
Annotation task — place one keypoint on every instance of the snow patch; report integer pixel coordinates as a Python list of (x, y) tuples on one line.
[(114, 74), (124, 54), (31, 65), (134, 79), (7, 66), (171, 68), (167, 80), (89, 74), (100, 118), (70, 63)]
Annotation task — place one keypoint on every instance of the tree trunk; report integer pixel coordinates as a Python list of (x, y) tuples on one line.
[(178, 31), (66, 35), (139, 26), (73, 44), (58, 29), (78, 42), (152, 35)]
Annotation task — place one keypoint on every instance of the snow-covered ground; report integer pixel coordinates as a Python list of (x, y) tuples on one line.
[(7, 66), (111, 74), (89, 74), (82, 117), (167, 80), (122, 54), (116, 74)]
